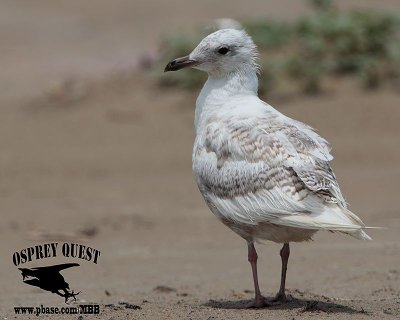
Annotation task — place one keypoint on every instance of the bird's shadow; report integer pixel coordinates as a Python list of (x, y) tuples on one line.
[(302, 304)]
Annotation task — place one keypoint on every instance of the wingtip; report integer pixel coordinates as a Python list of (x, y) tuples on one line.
[(363, 236)]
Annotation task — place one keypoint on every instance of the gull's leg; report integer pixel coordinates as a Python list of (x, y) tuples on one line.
[(285, 252), (259, 300)]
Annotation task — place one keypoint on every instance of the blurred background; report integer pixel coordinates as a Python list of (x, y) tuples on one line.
[(96, 148)]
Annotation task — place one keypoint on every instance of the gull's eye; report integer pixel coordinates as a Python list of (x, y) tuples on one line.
[(223, 50)]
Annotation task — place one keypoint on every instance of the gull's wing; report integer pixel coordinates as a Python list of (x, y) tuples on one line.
[(271, 168), (279, 151)]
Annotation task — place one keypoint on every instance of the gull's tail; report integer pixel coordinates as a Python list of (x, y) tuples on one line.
[(332, 218)]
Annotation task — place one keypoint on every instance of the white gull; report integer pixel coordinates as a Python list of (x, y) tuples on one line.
[(264, 175)]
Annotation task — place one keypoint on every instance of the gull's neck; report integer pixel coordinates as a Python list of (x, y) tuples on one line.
[(217, 91)]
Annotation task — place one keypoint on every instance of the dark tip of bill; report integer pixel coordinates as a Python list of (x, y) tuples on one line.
[(170, 66)]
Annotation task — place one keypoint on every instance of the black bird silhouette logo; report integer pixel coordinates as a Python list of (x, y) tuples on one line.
[(49, 279)]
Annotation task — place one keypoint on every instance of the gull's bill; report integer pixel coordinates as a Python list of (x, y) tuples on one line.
[(180, 63)]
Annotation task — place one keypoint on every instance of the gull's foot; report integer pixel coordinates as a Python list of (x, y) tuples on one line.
[(259, 302), (281, 298)]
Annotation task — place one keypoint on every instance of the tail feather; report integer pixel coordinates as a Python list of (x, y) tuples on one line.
[(331, 219)]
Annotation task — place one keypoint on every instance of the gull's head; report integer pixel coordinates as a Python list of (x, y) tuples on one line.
[(221, 53)]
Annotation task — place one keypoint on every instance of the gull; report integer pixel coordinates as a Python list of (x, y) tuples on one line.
[(263, 174)]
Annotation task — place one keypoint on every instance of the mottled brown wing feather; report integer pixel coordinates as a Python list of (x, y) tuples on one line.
[(296, 157)]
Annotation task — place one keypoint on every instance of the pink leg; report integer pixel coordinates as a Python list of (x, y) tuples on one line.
[(285, 252), (259, 300)]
